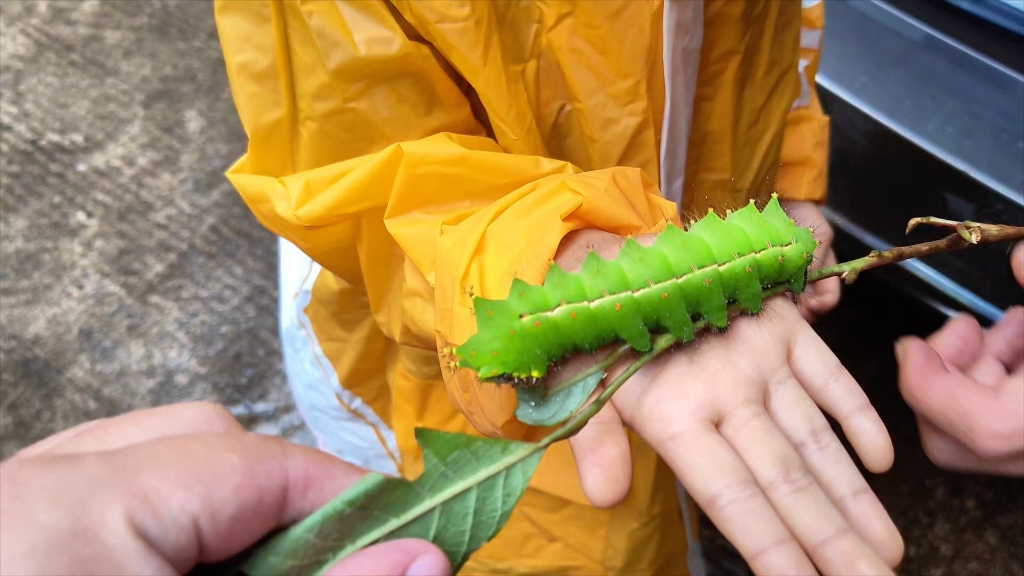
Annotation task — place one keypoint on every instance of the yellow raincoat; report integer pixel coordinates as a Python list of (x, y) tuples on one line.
[(413, 154)]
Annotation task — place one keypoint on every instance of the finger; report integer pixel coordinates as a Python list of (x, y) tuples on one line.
[(987, 420), (820, 528), (806, 428), (832, 387), (829, 290), (603, 458), (721, 485), (409, 557), (1005, 340), (204, 498), (1001, 351), (49, 442), (577, 245), (822, 296), (948, 453), (141, 426), (959, 342), (1017, 263)]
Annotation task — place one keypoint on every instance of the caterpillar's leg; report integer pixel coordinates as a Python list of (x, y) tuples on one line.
[(624, 317), (673, 313), (704, 296), (743, 284)]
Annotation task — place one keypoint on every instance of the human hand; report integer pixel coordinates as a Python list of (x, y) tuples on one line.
[(822, 296), (158, 491), (967, 387), (734, 416)]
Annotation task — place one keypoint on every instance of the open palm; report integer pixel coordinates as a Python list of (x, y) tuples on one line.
[(736, 416)]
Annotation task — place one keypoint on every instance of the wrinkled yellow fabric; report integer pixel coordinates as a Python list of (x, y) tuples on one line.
[(426, 152)]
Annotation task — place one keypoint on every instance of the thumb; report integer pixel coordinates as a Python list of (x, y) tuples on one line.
[(603, 458), (406, 557), (920, 368), (1017, 263)]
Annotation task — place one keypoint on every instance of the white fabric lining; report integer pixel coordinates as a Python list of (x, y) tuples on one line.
[(683, 29), (313, 380)]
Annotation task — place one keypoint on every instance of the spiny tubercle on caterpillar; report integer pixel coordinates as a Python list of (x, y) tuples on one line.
[(682, 277)]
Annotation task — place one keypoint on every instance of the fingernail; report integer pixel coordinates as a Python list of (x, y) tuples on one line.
[(899, 346), (429, 565)]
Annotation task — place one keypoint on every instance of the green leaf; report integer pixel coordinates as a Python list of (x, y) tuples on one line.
[(536, 409), (465, 495)]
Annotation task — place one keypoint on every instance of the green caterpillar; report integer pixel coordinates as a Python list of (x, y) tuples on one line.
[(683, 276)]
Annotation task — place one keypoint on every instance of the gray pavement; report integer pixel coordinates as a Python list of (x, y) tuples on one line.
[(131, 272)]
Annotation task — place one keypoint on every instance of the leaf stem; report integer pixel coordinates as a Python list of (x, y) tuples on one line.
[(601, 366), (967, 234)]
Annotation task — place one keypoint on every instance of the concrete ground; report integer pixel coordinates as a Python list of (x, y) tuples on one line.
[(131, 273)]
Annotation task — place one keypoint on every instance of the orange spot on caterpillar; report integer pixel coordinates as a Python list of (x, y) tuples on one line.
[(490, 312), (511, 332), (806, 255), (522, 294), (473, 353), (707, 281), (748, 269), (781, 259), (573, 315), (537, 323), (618, 306), (664, 295), (495, 353)]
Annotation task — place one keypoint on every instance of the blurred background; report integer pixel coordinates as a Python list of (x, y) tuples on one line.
[(132, 274)]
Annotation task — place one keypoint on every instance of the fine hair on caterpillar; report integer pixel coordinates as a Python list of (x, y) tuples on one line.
[(677, 279)]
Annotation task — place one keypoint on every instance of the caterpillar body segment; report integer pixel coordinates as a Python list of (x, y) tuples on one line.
[(682, 277)]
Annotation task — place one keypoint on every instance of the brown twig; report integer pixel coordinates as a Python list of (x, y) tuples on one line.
[(967, 234)]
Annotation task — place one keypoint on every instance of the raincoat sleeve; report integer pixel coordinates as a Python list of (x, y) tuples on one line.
[(365, 152), (805, 146)]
